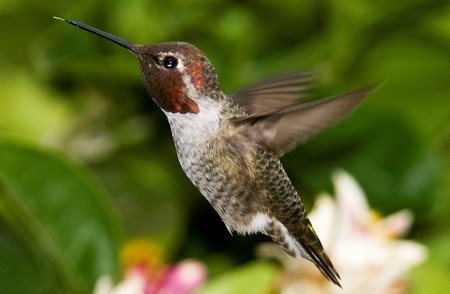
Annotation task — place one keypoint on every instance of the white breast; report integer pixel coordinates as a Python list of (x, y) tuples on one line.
[(191, 129)]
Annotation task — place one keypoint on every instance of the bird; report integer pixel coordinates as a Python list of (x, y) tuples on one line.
[(230, 146)]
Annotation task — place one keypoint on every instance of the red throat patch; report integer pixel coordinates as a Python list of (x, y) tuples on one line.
[(182, 104), (190, 105)]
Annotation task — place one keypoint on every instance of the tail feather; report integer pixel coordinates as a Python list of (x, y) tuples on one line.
[(313, 249), (307, 245), (323, 263)]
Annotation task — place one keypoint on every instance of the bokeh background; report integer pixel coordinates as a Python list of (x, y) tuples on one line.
[(87, 161)]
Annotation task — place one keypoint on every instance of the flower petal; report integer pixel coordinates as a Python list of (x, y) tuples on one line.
[(182, 278)]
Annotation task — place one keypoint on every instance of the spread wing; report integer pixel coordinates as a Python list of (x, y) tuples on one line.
[(275, 93), (282, 130)]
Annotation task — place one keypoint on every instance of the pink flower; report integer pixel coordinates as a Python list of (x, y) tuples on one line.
[(146, 275), (182, 278)]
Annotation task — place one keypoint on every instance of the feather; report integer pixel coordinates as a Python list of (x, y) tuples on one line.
[(275, 93), (283, 130)]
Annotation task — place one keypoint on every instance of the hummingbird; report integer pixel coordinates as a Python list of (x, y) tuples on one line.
[(230, 146)]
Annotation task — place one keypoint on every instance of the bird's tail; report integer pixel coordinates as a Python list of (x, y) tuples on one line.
[(320, 259), (306, 245)]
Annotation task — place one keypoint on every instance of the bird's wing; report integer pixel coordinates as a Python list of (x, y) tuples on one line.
[(275, 93), (283, 130)]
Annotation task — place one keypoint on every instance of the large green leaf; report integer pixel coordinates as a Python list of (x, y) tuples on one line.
[(58, 231)]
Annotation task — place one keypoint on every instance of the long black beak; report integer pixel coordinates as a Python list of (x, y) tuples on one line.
[(124, 43)]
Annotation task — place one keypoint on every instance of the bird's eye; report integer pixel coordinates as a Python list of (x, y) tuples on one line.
[(170, 62)]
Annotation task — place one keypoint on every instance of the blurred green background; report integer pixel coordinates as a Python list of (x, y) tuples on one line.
[(87, 160)]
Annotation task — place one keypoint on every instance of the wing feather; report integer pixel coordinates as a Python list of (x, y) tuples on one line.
[(292, 125), (275, 93)]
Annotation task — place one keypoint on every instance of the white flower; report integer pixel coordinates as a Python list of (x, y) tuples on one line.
[(131, 285), (363, 247)]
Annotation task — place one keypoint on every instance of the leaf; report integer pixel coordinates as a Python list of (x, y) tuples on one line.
[(432, 277), (59, 219), (254, 278)]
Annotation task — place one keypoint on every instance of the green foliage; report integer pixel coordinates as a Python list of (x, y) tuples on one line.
[(253, 278), (432, 277), (64, 89), (58, 230)]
